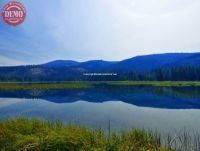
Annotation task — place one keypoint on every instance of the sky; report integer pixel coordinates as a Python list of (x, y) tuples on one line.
[(84, 30)]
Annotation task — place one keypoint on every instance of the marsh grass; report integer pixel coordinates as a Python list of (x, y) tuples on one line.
[(92, 84), (35, 135), (18, 86), (183, 141)]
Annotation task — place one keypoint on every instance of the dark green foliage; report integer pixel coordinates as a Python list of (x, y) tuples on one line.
[(41, 73)]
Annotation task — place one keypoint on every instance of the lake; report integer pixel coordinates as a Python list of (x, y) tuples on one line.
[(164, 109)]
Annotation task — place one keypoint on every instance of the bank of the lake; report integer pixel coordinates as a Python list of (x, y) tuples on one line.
[(37, 135), (91, 84)]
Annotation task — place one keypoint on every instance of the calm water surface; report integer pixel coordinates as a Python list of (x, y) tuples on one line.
[(164, 109)]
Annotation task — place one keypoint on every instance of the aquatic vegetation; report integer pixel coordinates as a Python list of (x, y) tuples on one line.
[(38, 135), (92, 84), (18, 86)]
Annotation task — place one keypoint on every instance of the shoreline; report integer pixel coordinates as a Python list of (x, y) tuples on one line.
[(92, 84)]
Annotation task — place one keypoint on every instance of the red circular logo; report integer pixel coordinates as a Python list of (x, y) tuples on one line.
[(14, 13)]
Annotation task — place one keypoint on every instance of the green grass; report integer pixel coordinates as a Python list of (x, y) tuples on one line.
[(87, 84), (18, 86), (36, 135)]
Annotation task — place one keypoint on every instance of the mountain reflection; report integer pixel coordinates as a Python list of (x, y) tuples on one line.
[(145, 96)]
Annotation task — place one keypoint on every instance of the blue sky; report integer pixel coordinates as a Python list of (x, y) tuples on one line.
[(99, 29)]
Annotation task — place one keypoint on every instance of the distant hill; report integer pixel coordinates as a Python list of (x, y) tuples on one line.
[(169, 66), (89, 65), (189, 60), (151, 62), (139, 63), (61, 63)]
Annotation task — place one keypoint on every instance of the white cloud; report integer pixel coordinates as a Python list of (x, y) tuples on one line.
[(118, 29), (112, 30), (5, 61)]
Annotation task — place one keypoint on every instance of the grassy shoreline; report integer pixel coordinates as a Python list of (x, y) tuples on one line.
[(38, 135), (91, 84)]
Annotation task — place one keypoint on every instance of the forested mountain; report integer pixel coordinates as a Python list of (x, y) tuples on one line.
[(171, 66)]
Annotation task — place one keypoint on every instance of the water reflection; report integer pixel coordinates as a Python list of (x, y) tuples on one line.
[(161, 108), (121, 115), (155, 97)]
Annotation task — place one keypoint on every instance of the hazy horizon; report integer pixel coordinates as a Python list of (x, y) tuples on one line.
[(100, 59), (100, 30)]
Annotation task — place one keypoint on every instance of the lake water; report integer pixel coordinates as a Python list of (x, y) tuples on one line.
[(164, 109)]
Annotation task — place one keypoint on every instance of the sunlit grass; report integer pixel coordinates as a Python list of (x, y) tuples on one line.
[(36, 135), (91, 84), (17, 86)]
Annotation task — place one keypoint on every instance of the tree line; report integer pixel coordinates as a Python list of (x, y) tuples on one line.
[(36, 73)]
